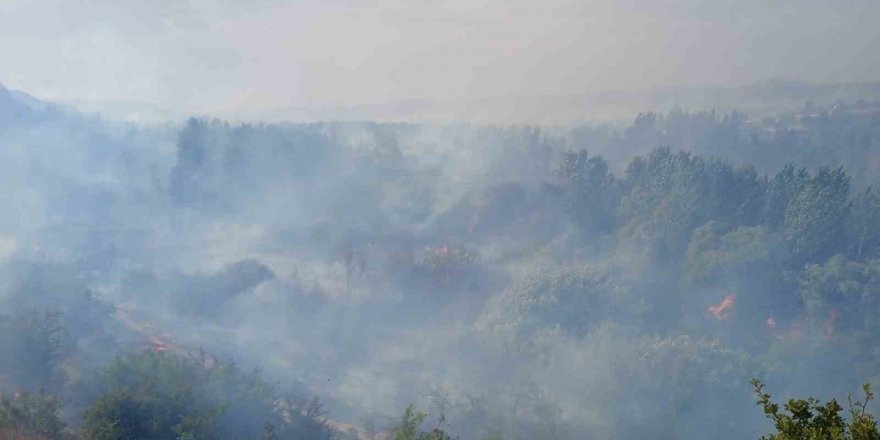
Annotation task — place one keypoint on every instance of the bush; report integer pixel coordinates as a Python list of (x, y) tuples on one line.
[(30, 415), (409, 428), (162, 396), (32, 347), (810, 419)]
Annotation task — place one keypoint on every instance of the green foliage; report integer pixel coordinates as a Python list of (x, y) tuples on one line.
[(218, 163), (33, 347), (154, 396), (715, 227), (593, 193), (409, 428), (671, 194), (781, 190), (165, 396), (863, 226), (691, 365), (714, 253), (814, 217), (34, 414), (843, 293), (269, 432), (190, 175), (573, 298), (810, 419), (748, 262), (302, 419)]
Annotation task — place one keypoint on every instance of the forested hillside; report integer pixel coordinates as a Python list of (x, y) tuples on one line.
[(216, 280)]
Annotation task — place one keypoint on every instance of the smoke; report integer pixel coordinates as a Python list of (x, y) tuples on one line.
[(444, 265), (223, 58)]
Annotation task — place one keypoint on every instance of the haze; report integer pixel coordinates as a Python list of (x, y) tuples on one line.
[(228, 56), (471, 220)]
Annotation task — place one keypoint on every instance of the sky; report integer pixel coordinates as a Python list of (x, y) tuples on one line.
[(263, 54)]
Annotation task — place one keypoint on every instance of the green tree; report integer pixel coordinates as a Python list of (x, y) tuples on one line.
[(269, 432), (574, 299), (863, 226), (409, 427), (781, 189), (593, 193), (33, 346), (165, 396), (152, 395), (810, 419), (748, 261), (846, 289), (716, 253), (814, 218), (32, 414), (671, 194), (190, 174)]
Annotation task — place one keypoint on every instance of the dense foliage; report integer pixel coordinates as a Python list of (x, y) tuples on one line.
[(165, 396), (529, 283), (810, 419), (27, 414)]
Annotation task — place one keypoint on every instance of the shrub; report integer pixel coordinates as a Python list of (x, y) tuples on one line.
[(810, 419), (30, 415)]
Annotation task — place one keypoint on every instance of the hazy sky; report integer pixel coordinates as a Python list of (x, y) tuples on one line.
[(230, 54)]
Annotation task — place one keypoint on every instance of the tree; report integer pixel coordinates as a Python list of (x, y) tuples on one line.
[(33, 345), (747, 261), (810, 419), (846, 289), (190, 174), (409, 427), (814, 218), (269, 432), (152, 395), (31, 414), (716, 253), (592, 192), (781, 189), (574, 299), (164, 396), (673, 193), (863, 226)]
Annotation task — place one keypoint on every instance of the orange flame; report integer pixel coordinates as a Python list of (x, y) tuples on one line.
[(724, 308), (159, 346)]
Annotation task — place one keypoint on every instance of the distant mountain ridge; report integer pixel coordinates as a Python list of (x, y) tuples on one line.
[(18, 109), (604, 106)]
